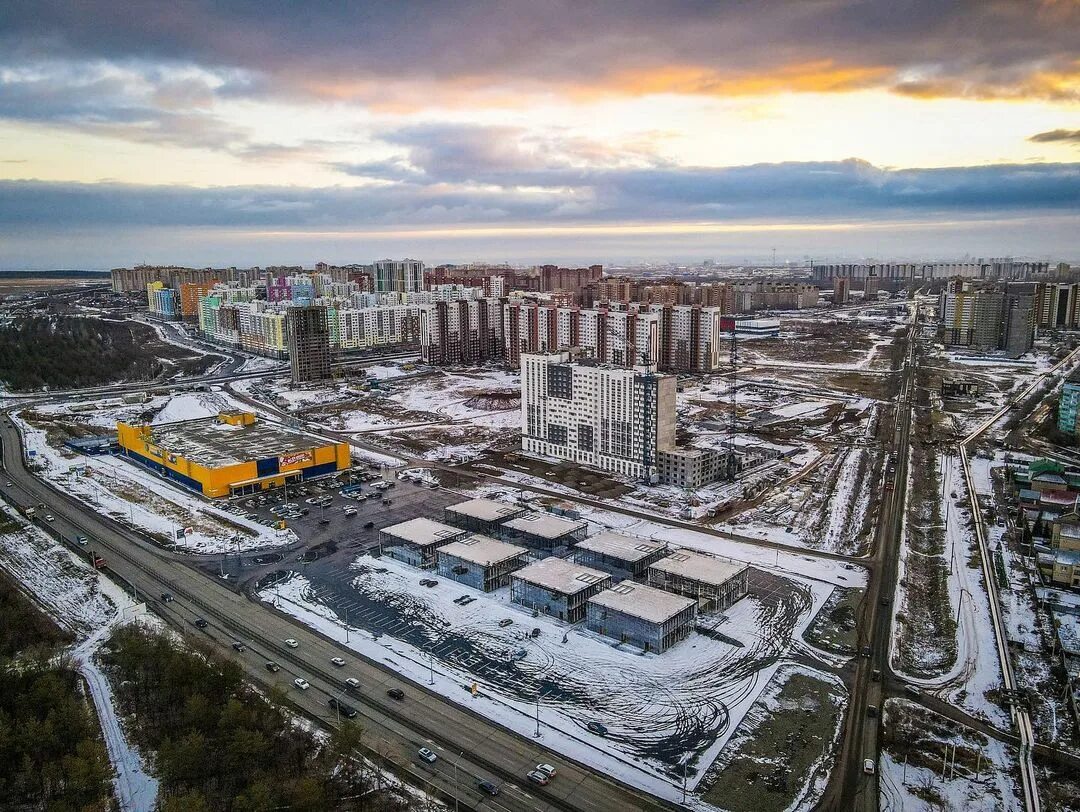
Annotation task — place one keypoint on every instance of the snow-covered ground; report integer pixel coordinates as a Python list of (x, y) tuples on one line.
[(656, 708)]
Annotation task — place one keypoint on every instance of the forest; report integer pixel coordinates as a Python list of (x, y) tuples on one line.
[(218, 744), (69, 352), (51, 749)]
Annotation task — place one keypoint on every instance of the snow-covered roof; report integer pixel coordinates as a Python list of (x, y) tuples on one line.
[(626, 548), (544, 525), (560, 575), (486, 510), (644, 602), (482, 550), (699, 567), (424, 532)]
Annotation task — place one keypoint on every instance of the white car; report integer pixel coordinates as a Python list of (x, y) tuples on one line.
[(49, 517), (301, 683), (868, 766), (292, 643), (546, 769), (427, 755), (353, 682), (340, 663)]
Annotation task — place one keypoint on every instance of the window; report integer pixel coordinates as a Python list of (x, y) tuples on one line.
[(556, 434), (585, 437)]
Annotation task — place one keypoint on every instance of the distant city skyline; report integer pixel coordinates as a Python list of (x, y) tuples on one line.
[(246, 133)]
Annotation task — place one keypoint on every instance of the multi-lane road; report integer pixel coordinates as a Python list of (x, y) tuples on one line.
[(471, 749)]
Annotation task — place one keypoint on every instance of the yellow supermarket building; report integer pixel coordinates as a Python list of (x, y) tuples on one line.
[(230, 453)]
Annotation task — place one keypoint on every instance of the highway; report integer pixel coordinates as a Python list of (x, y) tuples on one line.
[(470, 748)]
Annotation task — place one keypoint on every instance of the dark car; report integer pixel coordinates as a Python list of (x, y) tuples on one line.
[(368, 525), (347, 711), (238, 645), (166, 597), (272, 667), (489, 788), (597, 728), (202, 624), (396, 693), (324, 521)]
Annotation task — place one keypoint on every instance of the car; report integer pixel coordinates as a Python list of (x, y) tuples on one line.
[(434, 486), (202, 624), (350, 511), (347, 711), (353, 683), (885, 600), (868, 766), (368, 525), (871, 711), (506, 622), (340, 663), (597, 728), (538, 777), (301, 683), (875, 675), (291, 643), (49, 517), (384, 501), (272, 667), (912, 690), (9, 485), (546, 769), (866, 651), (427, 755), (488, 787), (396, 693), (238, 645), (324, 522), (166, 597)]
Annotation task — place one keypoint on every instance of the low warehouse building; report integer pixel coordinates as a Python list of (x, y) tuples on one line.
[(714, 582), (557, 587), (480, 562), (416, 540), (230, 453), (623, 556), (544, 531), (645, 617), (481, 515)]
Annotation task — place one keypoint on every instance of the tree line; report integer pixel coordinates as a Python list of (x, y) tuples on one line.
[(52, 756), (218, 744)]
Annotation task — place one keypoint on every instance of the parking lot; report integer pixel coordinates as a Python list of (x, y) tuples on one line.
[(326, 528)]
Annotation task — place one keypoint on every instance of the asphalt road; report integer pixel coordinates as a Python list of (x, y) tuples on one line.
[(469, 747)]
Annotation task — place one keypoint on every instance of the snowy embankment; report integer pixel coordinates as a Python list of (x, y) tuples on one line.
[(90, 605)]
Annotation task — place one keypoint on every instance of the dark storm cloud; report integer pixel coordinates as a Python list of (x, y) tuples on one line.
[(341, 50), (820, 191)]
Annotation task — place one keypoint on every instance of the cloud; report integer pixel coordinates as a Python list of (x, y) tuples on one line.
[(819, 191), (429, 54), (1057, 137)]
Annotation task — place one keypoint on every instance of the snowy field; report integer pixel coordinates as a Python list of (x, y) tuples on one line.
[(657, 709)]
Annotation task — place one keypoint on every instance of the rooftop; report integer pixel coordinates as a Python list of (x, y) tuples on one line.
[(482, 550), (560, 575), (699, 567), (644, 602), (544, 525), (213, 443), (626, 548), (487, 510), (424, 532)]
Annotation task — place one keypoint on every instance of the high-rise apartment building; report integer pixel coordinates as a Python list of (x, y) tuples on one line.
[(689, 337), (463, 331), (841, 290), (1069, 404), (1057, 305), (988, 316), (398, 276), (619, 337), (309, 343), (610, 418)]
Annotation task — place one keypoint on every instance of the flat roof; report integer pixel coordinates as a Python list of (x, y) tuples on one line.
[(544, 525), (699, 567), (424, 532), (487, 510), (560, 575), (482, 550), (644, 602), (615, 545), (210, 442)]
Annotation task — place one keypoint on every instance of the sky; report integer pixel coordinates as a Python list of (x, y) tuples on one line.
[(241, 133)]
